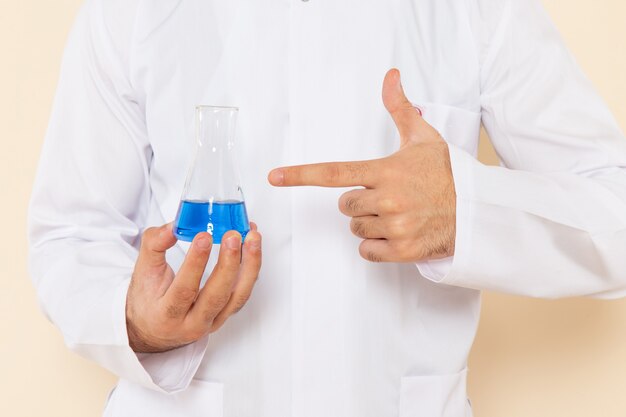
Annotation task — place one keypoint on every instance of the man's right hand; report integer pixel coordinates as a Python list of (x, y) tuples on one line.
[(166, 310)]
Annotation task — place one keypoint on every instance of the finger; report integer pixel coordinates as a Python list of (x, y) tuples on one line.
[(357, 203), (155, 241), (369, 227), (396, 250), (394, 227), (405, 116), (216, 292), (360, 202), (184, 289), (376, 250), (328, 174), (248, 274), (253, 226)]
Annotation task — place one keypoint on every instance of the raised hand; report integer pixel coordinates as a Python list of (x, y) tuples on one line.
[(406, 211), (165, 310)]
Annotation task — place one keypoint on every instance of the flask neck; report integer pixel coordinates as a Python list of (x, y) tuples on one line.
[(215, 128), (213, 176)]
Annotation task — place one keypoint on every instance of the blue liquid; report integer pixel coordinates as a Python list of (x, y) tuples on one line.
[(218, 218)]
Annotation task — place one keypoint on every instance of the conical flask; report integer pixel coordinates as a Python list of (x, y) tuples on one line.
[(212, 200)]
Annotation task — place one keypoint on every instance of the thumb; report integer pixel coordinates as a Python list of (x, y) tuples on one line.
[(406, 117), (154, 243)]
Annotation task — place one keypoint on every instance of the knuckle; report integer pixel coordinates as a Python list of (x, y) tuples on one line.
[(240, 302), (387, 171), (384, 205), (343, 201), (229, 253), (389, 205), (396, 227), (401, 247), (358, 227), (209, 314), (218, 301), (353, 204), (185, 295), (369, 254), (356, 171), (372, 256)]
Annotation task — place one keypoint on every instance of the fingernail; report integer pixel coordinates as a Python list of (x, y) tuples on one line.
[(203, 243), (276, 177), (166, 229), (233, 242), (254, 242), (399, 81)]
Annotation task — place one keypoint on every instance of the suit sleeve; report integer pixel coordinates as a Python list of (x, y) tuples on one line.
[(90, 202), (551, 221)]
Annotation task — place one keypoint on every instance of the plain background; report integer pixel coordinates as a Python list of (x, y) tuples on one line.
[(531, 358)]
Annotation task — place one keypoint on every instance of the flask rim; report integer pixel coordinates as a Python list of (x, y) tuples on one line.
[(211, 107)]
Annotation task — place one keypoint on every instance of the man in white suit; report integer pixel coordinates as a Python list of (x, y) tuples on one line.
[(377, 325)]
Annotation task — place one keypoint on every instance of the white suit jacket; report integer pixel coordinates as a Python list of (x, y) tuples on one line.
[(326, 333)]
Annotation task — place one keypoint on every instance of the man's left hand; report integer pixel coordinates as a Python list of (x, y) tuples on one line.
[(406, 211)]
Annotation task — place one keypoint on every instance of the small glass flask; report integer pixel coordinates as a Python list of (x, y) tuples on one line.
[(212, 199)]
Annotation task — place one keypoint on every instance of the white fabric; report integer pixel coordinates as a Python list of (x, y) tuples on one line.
[(325, 333)]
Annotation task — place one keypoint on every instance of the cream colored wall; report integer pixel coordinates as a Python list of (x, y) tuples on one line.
[(39, 377), (531, 357)]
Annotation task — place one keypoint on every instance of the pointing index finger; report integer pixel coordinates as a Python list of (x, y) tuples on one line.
[(327, 174)]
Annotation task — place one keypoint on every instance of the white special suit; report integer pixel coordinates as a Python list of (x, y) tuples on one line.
[(326, 333)]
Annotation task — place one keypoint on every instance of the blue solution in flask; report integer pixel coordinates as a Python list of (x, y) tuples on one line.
[(216, 218), (212, 200)]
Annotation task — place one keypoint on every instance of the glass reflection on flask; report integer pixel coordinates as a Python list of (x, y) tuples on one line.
[(212, 199)]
